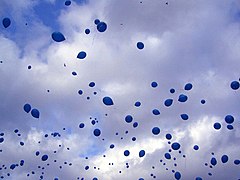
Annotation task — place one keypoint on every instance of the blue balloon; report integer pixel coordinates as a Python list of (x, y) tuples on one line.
[(140, 179), (167, 156), (196, 147), (224, 158), (168, 136), (80, 92), (184, 116), (58, 37), (96, 21), (74, 73), (230, 127), (203, 101), (235, 85), (236, 162), (21, 163), (108, 101), (229, 119), (1, 140), (188, 86), (182, 98), (217, 126), (213, 161), (141, 153), (87, 31), (135, 124), (102, 26), (44, 157), (97, 132), (177, 175), (27, 108), (156, 130), (6, 22), (140, 45), (37, 153), (137, 104), (68, 3), (172, 90), (175, 146), (198, 178), (111, 146), (128, 118), (91, 84), (156, 112), (12, 166), (95, 178), (126, 153), (35, 113), (81, 55), (154, 84), (168, 102)]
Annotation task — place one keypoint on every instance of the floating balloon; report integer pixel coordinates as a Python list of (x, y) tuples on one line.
[(154, 84), (126, 153), (135, 124), (140, 45), (13, 166), (111, 146), (156, 112), (156, 130), (213, 161), (235, 85), (177, 175), (74, 73), (168, 102), (87, 31), (236, 162), (224, 158), (108, 101), (1, 140), (198, 178), (97, 132), (96, 21), (230, 127), (27, 108), (6, 22), (44, 157), (80, 92), (217, 126), (141, 153), (168, 136), (188, 86), (229, 119), (91, 84), (167, 156), (81, 55), (58, 37), (182, 98), (137, 104), (172, 90), (175, 146), (102, 26), (128, 118), (35, 113), (196, 147), (184, 116), (203, 101), (68, 3)]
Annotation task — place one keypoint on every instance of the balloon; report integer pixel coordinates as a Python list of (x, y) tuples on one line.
[(175, 146), (182, 98), (213, 161), (111, 146), (168, 102), (128, 118), (224, 158), (27, 108), (96, 21), (44, 157), (80, 92), (177, 175), (154, 84), (135, 124), (58, 37), (37, 153), (102, 26), (81, 55), (1, 140), (12, 166), (141, 153), (68, 3), (236, 162), (108, 101), (184, 116), (21, 162), (217, 126), (96, 132), (126, 153), (195, 147), (74, 73), (156, 112), (203, 101), (155, 130), (172, 90), (230, 127), (91, 84), (198, 178), (6, 22), (229, 119), (87, 31), (168, 136), (235, 85), (188, 86), (137, 104), (140, 45), (35, 113), (167, 156)]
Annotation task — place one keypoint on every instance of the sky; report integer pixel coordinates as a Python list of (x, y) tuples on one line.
[(190, 48)]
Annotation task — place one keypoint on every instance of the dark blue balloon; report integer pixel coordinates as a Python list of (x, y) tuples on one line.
[(44, 157), (80, 92), (175, 146), (87, 31), (126, 153), (177, 175), (140, 179), (37, 153), (6, 22), (81, 55), (128, 118), (172, 90), (1, 140), (27, 108), (217, 126), (96, 21), (198, 178), (196, 147), (156, 130), (141, 153), (213, 161), (135, 124), (154, 84), (235, 85), (168, 102), (21, 163), (140, 45), (68, 3), (203, 101), (229, 119), (236, 162), (81, 125), (58, 37), (230, 127), (224, 158), (184, 116), (168, 136), (167, 156), (108, 101), (182, 98), (97, 132), (74, 73), (111, 146), (188, 86), (35, 113), (91, 84), (156, 112), (137, 104), (102, 26), (12, 166)]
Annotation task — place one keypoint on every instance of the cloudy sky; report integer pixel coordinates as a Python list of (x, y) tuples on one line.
[(185, 41)]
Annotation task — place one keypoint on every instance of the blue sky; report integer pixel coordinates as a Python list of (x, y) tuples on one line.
[(191, 41)]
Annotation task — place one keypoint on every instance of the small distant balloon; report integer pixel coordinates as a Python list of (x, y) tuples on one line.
[(102, 26), (68, 3), (182, 98), (97, 132), (96, 21), (168, 136), (184, 117), (213, 161), (154, 84), (81, 55), (58, 37), (44, 157), (126, 153), (167, 156), (140, 45), (6, 22), (27, 108), (168, 102), (217, 126), (87, 31), (128, 118), (1, 140), (35, 113), (156, 112), (229, 119), (137, 104), (235, 85), (108, 101), (188, 86), (175, 146), (156, 130), (196, 147), (172, 90), (141, 153), (224, 158), (177, 175)]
